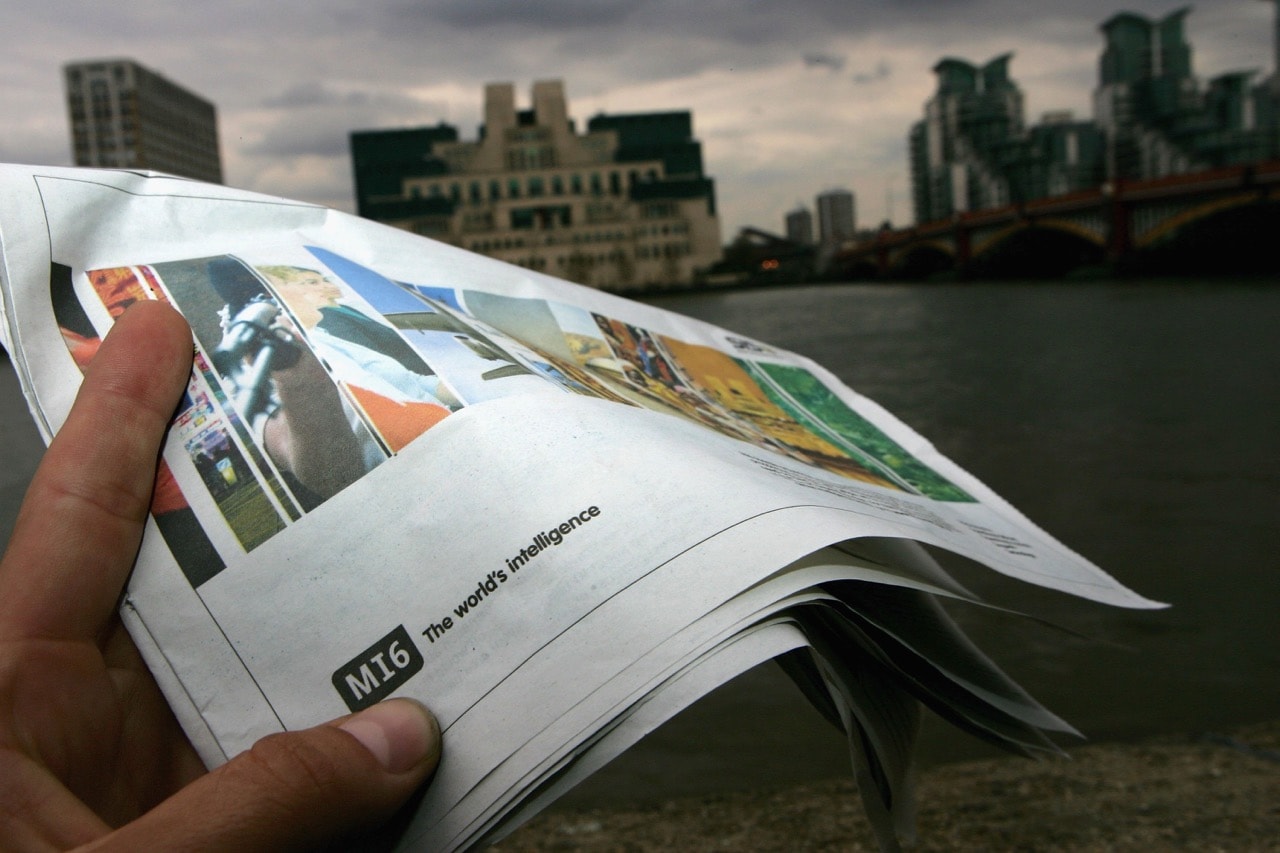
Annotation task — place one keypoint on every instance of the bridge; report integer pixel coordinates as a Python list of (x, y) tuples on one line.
[(1222, 220)]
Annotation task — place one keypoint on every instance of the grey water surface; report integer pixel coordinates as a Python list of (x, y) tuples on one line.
[(1138, 422)]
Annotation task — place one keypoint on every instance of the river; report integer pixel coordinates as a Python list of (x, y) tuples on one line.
[(1137, 422)]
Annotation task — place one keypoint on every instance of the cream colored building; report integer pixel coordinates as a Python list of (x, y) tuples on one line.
[(623, 206)]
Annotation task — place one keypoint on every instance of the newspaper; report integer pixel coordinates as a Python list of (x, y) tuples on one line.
[(555, 516)]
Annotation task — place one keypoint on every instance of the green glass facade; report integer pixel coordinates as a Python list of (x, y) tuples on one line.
[(1152, 118), (382, 159), (625, 205)]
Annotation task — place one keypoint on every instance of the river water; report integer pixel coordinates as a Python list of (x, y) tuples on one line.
[(1137, 422)]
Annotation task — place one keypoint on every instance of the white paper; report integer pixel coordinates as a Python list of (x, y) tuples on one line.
[(555, 516)]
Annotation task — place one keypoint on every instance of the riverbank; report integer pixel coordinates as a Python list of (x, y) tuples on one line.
[(1197, 792)]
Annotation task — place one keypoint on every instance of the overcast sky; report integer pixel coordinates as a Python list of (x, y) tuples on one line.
[(789, 97)]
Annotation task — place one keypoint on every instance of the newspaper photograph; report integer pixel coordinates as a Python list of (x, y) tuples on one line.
[(555, 516)]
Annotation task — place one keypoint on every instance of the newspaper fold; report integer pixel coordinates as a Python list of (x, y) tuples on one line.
[(556, 516)]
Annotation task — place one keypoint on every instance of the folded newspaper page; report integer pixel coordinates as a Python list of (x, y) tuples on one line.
[(555, 516)]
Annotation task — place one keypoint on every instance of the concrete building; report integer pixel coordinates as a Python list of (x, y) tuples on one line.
[(1157, 118), (1146, 97), (836, 217), (958, 148), (799, 223), (126, 116), (1152, 118), (623, 206), (1062, 154), (1273, 81)]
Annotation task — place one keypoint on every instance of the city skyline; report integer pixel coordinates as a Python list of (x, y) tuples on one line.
[(788, 100)]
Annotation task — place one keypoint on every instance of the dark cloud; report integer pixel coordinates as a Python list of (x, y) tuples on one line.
[(548, 15), (824, 60), (292, 78), (309, 94), (316, 119), (630, 41), (316, 93), (764, 22)]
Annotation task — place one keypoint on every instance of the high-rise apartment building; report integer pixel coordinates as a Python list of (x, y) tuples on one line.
[(1156, 117), (1273, 80), (836, 221), (623, 206), (1152, 118), (957, 148), (799, 223), (126, 116)]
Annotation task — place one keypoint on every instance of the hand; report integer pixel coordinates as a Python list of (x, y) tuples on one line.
[(89, 751)]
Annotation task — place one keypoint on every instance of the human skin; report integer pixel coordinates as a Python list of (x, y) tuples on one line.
[(90, 755)]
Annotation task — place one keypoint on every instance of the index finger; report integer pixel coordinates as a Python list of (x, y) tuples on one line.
[(77, 533)]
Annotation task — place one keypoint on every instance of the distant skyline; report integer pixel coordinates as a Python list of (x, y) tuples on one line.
[(789, 97)]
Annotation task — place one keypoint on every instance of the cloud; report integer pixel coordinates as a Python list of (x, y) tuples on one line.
[(322, 94), (882, 71), (292, 78), (548, 15), (824, 60), (316, 118)]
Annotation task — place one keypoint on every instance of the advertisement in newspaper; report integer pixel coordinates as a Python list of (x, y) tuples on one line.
[(402, 469)]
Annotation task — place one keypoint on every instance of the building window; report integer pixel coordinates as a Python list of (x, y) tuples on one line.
[(557, 185), (478, 221), (513, 188), (535, 186), (429, 227)]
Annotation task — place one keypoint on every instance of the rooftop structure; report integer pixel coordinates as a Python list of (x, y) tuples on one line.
[(623, 206)]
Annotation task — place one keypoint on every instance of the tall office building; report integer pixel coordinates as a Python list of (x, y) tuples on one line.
[(1273, 80), (126, 116), (957, 147), (1147, 98), (835, 217), (1152, 118), (799, 224), (623, 206), (1158, 120)]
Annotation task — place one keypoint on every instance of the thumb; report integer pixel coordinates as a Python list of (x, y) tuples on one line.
[(297, 790)]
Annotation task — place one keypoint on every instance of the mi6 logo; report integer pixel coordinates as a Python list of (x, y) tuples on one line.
[(375, 673)]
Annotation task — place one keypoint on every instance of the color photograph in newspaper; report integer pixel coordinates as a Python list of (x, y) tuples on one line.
[(402, 469)]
